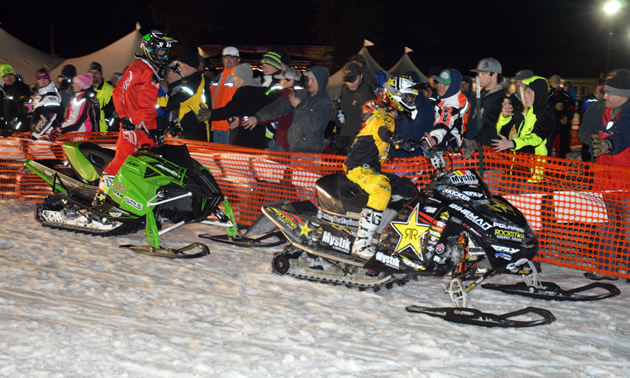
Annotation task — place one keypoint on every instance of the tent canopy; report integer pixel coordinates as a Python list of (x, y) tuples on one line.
[(114, 58), (24, 59), (405, 64)]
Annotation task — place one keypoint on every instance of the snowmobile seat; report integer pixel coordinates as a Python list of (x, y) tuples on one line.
[(337, 194), (97, 155)]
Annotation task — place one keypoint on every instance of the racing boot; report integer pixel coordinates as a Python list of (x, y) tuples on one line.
[(369, 221), (103, 186)]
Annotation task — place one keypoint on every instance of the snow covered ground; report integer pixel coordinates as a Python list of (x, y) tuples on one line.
[(75, 305)]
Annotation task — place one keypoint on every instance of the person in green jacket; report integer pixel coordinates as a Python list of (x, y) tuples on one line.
[(103, 92), (526, 131)]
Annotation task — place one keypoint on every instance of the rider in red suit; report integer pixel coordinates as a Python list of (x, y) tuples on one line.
[(135, 98)]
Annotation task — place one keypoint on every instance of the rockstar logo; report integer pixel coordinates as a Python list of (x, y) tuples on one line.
[(410, 232), (304, 229)]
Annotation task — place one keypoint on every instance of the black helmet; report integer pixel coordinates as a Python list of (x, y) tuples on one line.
[(155, 46)]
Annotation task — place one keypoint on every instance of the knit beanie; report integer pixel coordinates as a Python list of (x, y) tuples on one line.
[(6, 69), (84, 80), (620, 84), (245, 73), (69, 71), (42, 73), (191, 58), (273, 59)]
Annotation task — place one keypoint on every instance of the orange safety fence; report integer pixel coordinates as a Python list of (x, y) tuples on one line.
[(579, 210)]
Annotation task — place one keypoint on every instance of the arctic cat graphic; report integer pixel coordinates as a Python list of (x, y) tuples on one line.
[(454, 226), (153, 188)]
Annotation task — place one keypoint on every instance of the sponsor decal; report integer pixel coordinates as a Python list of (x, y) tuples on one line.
[(283, 217), (508, 227), (471, 216), (501, 248), (503, 256), (409, 232), (412, 264), (429, 209), (464, 178), (509, 235), (336, 242), (135, 204), (501, 207), (455, 194), (169, 171), (304, 230), (472, 194), (117, 193), (388, 260), (337, 219), (440, 248)]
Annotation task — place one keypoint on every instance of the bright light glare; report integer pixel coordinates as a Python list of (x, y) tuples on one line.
[(611, 7)]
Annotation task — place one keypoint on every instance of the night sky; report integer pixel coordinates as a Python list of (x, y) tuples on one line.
[(568, 37)]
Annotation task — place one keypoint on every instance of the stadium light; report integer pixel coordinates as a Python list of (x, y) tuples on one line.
[(612, 7)]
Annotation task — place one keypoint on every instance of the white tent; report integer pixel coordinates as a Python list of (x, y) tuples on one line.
[(114, 58), (405, 64), (24, 59), (336, 80)]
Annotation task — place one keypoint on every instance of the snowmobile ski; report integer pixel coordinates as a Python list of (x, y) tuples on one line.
[(243, 241), (551, 291), (170, 253), (486, 319)]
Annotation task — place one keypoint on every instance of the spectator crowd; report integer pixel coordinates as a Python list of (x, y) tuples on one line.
[(281, 108)]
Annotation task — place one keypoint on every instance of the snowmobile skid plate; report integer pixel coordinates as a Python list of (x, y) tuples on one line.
[(485, 319), (551, 291), (170, 253), (277, 238)]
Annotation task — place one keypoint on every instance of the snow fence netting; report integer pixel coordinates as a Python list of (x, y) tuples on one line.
[(580, 210)]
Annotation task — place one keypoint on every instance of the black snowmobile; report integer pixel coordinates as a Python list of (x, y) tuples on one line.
[(454, 226), (153, 188)]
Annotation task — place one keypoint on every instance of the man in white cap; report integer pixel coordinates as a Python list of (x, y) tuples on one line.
[(221, 92), (493, 86)]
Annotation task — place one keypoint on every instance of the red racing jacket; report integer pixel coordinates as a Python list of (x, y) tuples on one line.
[(135, 95)]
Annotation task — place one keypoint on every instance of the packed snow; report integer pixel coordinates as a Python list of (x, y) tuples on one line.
[(77, 305)]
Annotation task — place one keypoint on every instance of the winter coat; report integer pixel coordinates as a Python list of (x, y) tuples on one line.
[(529, 131), (135, 95), (351, 105), (614, 126), (221, 92), (414, 129), (245, 102), (490, 106), (310, 117), (371, 145), (104, 93), (190, 94), (81, 114)]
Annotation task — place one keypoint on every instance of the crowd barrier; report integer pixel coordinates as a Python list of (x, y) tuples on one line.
[(578, 209)]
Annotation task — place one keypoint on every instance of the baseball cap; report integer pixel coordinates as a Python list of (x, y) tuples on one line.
[(230, 51), (444, 77), (96, 66), (555, 79), (289, 74), (350, 72), (523, 74), (488, 65)]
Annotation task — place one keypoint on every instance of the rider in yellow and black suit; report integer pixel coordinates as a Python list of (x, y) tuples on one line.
[(369, 149)]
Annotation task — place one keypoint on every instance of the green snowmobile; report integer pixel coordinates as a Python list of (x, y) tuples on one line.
[(156, 187)]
